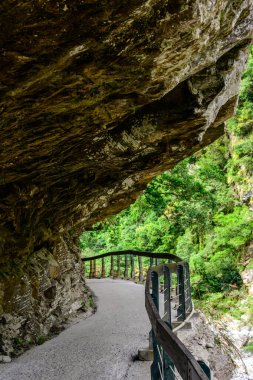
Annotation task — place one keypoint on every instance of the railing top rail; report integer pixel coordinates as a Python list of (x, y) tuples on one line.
[(185, 362), (159, 269), (156, 255)]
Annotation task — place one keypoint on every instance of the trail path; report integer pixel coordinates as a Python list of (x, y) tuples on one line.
[(100, 347)]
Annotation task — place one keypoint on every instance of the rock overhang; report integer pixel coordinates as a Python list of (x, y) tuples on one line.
[(100, 94)]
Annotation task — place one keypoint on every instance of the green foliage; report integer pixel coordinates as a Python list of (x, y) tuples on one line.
[(218, 303), (250, 265), (41, 339), (249, 347), (91, 302)]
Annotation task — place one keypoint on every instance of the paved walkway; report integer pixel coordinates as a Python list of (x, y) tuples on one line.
[(100, 347)]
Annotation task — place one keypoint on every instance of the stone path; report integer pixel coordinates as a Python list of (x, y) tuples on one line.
[(101, 347)]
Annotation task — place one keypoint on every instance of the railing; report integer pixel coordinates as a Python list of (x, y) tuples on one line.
[(99, 271), (171, 359)]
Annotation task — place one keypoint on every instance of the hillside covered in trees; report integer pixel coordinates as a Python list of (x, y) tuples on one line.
[(201, 211)]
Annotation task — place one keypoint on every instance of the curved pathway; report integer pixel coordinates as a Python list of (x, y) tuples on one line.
[(101, 347)]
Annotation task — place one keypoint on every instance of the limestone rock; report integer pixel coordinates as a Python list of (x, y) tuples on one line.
[(214, 353), (247, 277), (36, 304), (5, 359), (97, 98), (247, 274)]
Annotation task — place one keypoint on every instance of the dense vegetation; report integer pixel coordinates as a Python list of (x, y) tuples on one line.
[(200, 211)]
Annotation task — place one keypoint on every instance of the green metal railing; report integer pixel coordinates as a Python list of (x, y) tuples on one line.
[(167, 291), (172, 360)]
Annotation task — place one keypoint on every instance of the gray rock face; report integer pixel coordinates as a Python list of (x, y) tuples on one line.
[(49, 290), (5, 359), (96, 99), (206, 344)]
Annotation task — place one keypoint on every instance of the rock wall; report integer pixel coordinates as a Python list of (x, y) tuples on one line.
[(98, 97), (35, 302)]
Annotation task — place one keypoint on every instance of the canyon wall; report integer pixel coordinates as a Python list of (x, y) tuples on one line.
[(97, 98)]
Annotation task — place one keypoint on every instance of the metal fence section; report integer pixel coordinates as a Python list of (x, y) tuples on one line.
[(171, 360), (168, 304)]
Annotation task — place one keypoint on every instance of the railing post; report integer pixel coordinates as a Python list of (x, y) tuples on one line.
[(151, 344), (126, 268), (181, 315), (167, 303), (103, 268), (205, 368), (118, 267), (112, 264), (155, 373), (168, 367), (132, 267), (140, 269), (188, 301), (90, 274), (94, 271)]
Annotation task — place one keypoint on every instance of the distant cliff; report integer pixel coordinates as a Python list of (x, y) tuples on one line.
[(240, 163)]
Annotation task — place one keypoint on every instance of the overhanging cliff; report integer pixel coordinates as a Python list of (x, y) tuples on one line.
[(98, 97)]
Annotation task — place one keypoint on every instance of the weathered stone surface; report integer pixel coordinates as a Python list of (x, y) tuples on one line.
[(49, 290), (247, 274), (5, 359), (98, 97), (206, 343)]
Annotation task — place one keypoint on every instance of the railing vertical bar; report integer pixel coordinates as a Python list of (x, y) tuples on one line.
[(188, 287), (90, 274), (140, 269), (112, 265), (155, 289), (167, 303), (94, 269), (126, 268), (154, 369), (181, 315), (132, 267), (103, 268), (155, 374), (118, 266), (168, 367)]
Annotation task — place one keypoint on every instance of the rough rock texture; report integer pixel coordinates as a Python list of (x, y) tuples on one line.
[(247, 274), (97, 97), (48, 291), (206, 344)]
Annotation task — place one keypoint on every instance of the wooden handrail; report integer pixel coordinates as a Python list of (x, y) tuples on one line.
[(156, 255)]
